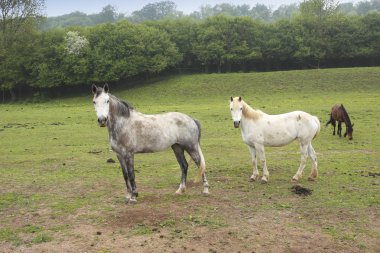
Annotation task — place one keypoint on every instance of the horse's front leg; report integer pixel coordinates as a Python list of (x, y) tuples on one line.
[(131, 176), (345, 134), (261, 153), (255, 172), (123, 165)]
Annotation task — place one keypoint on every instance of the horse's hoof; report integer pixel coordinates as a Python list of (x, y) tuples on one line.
[(264, 180), (295, 180), (180, 191), (132, 201), (311, 178), (253, 178), (205, 191)]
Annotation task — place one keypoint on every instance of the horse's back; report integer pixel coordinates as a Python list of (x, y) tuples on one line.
[(337, 112), (169, 128), (300, 124)]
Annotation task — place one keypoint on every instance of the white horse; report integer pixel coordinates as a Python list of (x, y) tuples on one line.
[(259, 129), (132, 132)]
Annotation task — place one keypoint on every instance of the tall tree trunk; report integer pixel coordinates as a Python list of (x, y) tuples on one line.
[(206, 68), (229, 66), (13, 94)]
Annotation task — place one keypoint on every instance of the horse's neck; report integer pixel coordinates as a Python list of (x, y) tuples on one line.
[(347, 120), (249, 113), (116, 122)]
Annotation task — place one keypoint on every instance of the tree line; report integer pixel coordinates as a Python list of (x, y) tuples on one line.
[(319, 36), (168, 10)]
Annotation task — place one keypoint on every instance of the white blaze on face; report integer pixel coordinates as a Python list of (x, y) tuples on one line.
[(101, 104), (236, 108)]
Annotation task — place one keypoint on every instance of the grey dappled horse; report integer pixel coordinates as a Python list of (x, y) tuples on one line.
[(132, 132)]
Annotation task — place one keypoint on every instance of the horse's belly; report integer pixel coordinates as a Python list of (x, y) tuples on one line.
[(273, 138)]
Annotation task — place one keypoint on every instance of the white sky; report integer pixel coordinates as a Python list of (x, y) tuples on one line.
[(60, 7)]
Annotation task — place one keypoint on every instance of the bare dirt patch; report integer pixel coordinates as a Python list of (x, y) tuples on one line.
[(165, 222)]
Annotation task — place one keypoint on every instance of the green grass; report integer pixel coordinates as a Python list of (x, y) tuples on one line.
[(53, 157)]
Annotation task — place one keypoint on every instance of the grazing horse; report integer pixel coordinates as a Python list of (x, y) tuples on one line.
[(339, 113), (259, 129), (132, 132)]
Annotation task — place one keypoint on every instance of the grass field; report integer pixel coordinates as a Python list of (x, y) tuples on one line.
[(58, 193)]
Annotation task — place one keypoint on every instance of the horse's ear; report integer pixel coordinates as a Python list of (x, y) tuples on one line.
[(232, 99), (94, 88), (106, 88), (239, 99)]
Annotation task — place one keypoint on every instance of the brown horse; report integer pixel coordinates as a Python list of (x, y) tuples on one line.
[(339, 113)]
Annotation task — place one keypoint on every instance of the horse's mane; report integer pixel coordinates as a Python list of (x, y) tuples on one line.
[(251, 113), (120, 107), (346, 117)]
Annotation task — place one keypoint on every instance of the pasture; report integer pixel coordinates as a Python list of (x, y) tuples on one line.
[(58, 193)]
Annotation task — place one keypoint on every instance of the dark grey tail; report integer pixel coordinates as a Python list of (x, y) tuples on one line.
[(199, 129), (329, 121)]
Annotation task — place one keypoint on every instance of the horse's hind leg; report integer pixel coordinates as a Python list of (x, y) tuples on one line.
[(179, 154), (197, 156), (313, 157), (339, 129), (304, 153), (333, 122)]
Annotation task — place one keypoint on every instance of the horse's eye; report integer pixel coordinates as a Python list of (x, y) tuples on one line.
[(94, 102), (231, 109), (241, 109), (108, 101)]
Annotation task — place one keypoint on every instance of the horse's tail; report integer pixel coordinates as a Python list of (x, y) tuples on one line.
[(330, 120), (202, 163), (199, 129), (319, 126), (202, 166)]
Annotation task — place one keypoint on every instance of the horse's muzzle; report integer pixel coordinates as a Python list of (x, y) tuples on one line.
[(236, 124), (102, 121)]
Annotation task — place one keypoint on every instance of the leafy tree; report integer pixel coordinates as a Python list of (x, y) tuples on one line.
[(183, 33), (107, 15), (347, 8), (370, 37), (285, 11), (125, 50), (18, 19), (225, 40), (261, 12), (313, 16), (318, 10), (47, 70), (156, 11), (367, 6), (279, 45)]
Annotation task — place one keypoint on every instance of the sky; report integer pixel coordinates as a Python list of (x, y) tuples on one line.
[(60, 7)]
